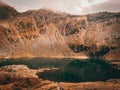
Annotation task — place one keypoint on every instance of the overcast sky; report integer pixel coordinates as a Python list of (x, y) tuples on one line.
[(69, 6)]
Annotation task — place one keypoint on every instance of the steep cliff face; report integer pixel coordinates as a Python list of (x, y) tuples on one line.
[(30, 34), (44, 33), (102, 35)]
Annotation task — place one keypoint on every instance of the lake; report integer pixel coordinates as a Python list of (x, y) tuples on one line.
[(69, 70)]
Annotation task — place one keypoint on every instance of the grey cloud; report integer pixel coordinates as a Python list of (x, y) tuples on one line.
[(90, 1), (59, 5), (111, 6)]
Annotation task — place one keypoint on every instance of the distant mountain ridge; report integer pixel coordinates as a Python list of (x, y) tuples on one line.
[(45, 33)]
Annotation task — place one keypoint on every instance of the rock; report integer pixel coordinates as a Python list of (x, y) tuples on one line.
[(17, 76), (114, 80), (113, 55), (14, 72), (44, 33)]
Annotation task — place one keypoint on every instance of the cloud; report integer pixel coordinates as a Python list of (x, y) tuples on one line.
[(59, 5), (111, 6), (69, 6)]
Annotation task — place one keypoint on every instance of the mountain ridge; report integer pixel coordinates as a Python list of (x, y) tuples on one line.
[(45, 33)]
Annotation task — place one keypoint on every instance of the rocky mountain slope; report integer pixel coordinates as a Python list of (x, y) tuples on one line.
[(44, 33)]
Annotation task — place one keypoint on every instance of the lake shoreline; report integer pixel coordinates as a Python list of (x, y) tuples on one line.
[(54, 57), (21, 77)]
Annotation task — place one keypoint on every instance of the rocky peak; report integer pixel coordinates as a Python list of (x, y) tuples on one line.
[(6, 11)]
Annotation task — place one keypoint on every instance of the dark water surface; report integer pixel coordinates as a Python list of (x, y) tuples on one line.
[(70, 70), (36, 63)]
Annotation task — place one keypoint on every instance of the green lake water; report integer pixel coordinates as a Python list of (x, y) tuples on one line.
[(70, 70)]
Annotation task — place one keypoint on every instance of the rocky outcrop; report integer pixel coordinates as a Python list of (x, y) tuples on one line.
[(44, 33), (17, 77), (113, 55)]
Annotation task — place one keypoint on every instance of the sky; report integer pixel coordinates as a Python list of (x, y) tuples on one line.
[(77, 7)]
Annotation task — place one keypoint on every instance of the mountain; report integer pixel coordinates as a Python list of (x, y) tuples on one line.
[(45, 33), (6, 11)]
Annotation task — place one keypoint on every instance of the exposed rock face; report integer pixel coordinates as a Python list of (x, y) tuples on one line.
[(17, 77), (17, 71), (44, 33), (113, 55)]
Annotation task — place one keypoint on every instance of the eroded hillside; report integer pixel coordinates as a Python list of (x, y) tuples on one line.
[(44, 33)]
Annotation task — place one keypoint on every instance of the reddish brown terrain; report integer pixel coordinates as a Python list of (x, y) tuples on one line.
[(44, 33)]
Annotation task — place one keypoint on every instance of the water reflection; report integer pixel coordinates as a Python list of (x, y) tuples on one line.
[(35, 63), (81, 71)]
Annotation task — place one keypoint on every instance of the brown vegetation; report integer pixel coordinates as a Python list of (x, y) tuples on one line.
[(44, 33)]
